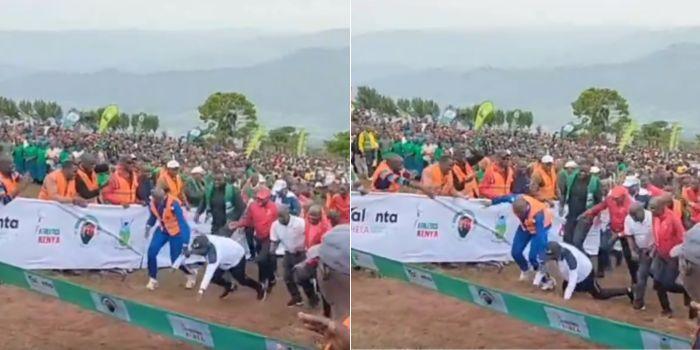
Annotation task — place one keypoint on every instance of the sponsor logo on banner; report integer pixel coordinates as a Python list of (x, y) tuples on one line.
[(567, 321), (110, 306), (87, 229), (363, 260), (9, 228), (191, 330), (427, 230), (661, 341), (420, 277), (363, 222), (41, 284), (488, 298), (49, 236), (125, 233), (463, 224)]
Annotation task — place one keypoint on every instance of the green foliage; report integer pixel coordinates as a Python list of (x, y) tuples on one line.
[(339, 145), (8, 108), (283, 138), (45, 110), (367, 98), (655, 134), (601, 110), (150, 123), (134, 121), (525, 120), (230, 115), (26, 107), (404, 105), (421, 107)]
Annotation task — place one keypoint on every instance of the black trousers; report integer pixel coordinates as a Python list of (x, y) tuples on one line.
[(267, 262), (591, 286), (250, 239), (665, 272), (579, 232), (238, 273), (292, 283)]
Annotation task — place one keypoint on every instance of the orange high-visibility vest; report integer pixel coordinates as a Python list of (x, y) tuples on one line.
[(494, 184), (434, 179), (89, 181), (471, 187), (64, 187), (536, 207), (126, 191), (10, 183), (168, 221), (381, 169), (175, 186), (548, 188)]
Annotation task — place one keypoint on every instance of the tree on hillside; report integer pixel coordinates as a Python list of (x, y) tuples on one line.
[(123, 121), (600, 109), (150, 123), (421, 107), (134, 121), (45, 110), (498, 119), (339, 145), (655, 134), (387, 106), (525, 120), (367, 98), (26, 107), (404, 105), (8, 108), (510, 118), (282, 138), (230, 115)]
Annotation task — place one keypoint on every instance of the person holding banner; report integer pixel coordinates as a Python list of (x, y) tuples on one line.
[(463, 174), (123, 184), (438, 178), (498, 177), (59, 186), (173, 229), (86, 180), (390, 176), (11, 182), (535, 222), (170, 180)]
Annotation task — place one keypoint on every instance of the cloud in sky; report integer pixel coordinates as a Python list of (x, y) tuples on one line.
[(268, 15), (375, 15)]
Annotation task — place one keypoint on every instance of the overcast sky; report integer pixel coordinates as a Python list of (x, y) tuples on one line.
[(269, 15), (373, 15)]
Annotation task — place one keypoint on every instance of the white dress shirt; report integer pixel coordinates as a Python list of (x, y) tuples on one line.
[(641, 231), (290, 236)]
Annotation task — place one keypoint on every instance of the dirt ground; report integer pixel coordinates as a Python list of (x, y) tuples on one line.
[(33, 321), (240, 309), (443, 322), (391, 314)]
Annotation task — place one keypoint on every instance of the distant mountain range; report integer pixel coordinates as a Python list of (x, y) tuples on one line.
[(662, 85), (306, 88)]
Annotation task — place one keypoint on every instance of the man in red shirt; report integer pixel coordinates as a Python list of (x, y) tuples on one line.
[(340, 203), (618, 204), (691, 194), (668, 233), (260, 215)]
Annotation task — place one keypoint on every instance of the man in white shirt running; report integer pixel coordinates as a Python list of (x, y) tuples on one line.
[(640, 238), (576, 269), (223, 255), (289, 232)]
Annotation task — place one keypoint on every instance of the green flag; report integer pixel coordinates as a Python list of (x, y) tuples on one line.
[(111, 112), (255, 141), (627, 135), (485, 110), (675, 138), (301, 143)]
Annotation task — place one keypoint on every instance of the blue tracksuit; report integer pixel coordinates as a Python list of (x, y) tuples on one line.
[(161, 237), (538, 241)]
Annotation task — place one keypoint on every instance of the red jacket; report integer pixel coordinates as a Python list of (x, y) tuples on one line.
[(342, 206), (315, 233), (668, 232), (260, 218), (618, 213)]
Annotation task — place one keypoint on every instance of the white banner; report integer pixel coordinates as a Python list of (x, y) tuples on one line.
[(414, 228), (36, 234)]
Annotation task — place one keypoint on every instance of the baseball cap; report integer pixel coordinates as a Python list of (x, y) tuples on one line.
[(553, 251), (548, 159), (197, 170), (199, 246), (334, 250), (690, 248), (263, 193), (571, 164), (173, 164), (279, 185)]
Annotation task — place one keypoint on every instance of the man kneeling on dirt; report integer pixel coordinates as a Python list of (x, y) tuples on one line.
[(576, 269), (223, 255)]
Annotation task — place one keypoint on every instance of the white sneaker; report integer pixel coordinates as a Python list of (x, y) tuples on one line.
[(549, 284), (191, 279), (152, 284), (525, 275), (539, 275)]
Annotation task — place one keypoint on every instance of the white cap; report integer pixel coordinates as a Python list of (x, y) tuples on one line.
[(548, 159), (173, 164), (318, 184), (630, 181), (571, 164), (198, 170), (595, 169), (279, 185)]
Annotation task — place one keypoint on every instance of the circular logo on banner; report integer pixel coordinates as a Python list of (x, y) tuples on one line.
[(486, 296), (463, 223), (109, 304), (87, 228)]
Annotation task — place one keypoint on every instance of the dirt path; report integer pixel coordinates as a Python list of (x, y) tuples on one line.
[(392, 314)]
